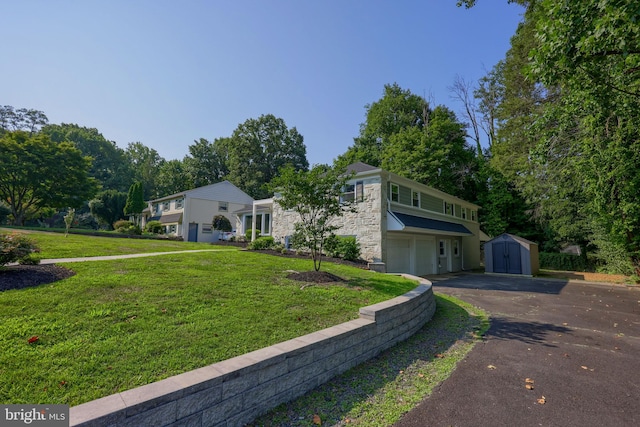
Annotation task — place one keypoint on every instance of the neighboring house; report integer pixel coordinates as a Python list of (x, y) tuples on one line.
[(190, 213), (400, 224)]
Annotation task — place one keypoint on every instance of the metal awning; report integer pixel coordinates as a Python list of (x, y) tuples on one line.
[(399, 221), (167, 219)]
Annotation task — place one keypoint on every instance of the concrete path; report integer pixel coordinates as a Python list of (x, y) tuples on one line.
[(112, 257), (578, 342)]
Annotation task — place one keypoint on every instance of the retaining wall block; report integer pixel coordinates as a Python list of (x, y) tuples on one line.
[(199, 401), (220, 412)]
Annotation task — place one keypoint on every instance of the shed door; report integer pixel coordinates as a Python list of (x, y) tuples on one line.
[(506, 258), (398, 256)]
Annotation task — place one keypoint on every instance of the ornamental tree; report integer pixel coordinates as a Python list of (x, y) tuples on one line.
[(315, 196)]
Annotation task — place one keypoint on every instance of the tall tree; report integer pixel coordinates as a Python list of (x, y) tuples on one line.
[(172, 177), (258, 149), (145, 162), (205, 164), (108, 207), (135, 202), (38, 173), (25, 119), (109, 164)]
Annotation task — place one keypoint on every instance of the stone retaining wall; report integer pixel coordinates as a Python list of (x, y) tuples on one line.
[(236, 391)]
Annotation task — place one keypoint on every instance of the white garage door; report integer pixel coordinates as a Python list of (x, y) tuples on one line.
[(426, 257), (398, 256)]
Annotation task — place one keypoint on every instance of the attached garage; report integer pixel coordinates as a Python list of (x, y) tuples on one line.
[(412, 254), (509, 254)]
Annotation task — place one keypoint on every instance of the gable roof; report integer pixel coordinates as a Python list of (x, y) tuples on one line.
[(221, 191), (358, 167), (431, 224)]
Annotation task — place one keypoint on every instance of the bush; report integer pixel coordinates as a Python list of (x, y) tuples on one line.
[(154, 227), (222, 223), (17, 247), (567, 262), (342, 247), (262, 243), (247, 234), (126, 227)]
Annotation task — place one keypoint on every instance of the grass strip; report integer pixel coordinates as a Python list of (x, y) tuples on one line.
[(121, 324), (380, 391)]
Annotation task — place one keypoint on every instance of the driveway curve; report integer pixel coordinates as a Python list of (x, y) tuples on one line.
[(575, 345)]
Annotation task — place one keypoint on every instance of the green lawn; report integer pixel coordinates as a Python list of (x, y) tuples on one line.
[(56, 245), (116, 325)]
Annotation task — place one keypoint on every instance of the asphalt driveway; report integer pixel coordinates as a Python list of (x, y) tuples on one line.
[(579, 344)]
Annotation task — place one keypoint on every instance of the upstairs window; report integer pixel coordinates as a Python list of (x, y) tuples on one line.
[(464, 213), (448, 208), (179, 203), (415, 198), (473, 215), (395, 193), (223, 206), (353, 192), (165, 206)]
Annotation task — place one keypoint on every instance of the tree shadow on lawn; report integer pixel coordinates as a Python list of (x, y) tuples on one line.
[(334, 400)]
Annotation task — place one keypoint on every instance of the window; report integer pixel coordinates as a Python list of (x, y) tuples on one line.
[(448, 208), (395, 193), (223, 206), (156, 208), (464, 213), (207, 228), (171, 229), (353, 192), (442, 248), (415, 198), (165, 206), (456, 248), (179, 203), (473, 215)]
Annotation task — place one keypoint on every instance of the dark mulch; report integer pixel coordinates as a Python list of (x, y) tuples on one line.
[(315, 277), (26, 276)]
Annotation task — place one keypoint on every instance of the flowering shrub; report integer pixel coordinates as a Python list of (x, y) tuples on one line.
[(16, 247)]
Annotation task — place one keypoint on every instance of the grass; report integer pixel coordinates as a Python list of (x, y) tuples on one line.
[(121, 324), (380, 391), (56, 245)]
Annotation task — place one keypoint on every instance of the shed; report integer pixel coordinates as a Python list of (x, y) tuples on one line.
[(509, 254)]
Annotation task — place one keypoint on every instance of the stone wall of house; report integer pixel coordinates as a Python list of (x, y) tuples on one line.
[(365, 223), (234, 392)]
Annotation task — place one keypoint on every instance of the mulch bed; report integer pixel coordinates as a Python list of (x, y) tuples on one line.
[(26, 276)]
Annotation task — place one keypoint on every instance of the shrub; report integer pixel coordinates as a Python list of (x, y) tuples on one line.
[(332, 246), (342, 247), (261, 243), (17, 247), (126, 227), (567, 262), (222, 223), (154, 227), (247, 234)]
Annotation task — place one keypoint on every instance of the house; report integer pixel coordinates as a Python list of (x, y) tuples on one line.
[(400, 224), (509, 254), (190, 213)]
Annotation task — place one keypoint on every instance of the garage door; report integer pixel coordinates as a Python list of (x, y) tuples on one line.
[(425, 257), (398, 256)]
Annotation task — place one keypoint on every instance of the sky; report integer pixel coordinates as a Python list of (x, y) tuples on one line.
[(165, 73)]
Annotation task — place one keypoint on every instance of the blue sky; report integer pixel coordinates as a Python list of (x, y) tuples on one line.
[(168, 72)]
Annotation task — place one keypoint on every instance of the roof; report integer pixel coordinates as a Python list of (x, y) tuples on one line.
[(167, 219), (360, 167), (431, 224), (221, 191), (513, 237)]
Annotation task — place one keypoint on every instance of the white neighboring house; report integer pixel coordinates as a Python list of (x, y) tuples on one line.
[(402, 226), (190, 213)]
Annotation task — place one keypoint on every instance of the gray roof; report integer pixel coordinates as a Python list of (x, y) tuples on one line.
[(360, 167), (167, 219), (431, 224)]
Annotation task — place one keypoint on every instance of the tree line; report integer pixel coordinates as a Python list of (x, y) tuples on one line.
[(546, 142)]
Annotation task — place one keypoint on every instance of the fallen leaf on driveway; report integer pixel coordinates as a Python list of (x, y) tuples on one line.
[(584, 367), (491, 367), (529, 386), (542, 400), (528, 381)]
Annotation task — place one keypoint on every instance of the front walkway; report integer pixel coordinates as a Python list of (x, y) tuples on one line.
[(112, 257)]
